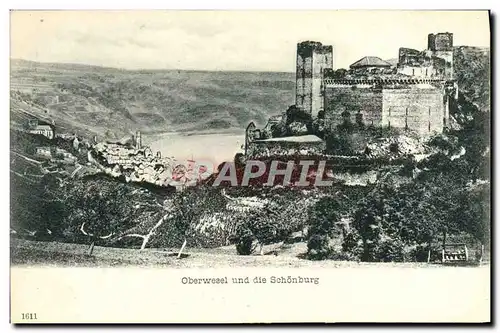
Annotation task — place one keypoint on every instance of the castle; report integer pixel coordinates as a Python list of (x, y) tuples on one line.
[(414, 95), (411, 96)]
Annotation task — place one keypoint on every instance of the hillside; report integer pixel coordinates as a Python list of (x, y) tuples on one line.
[(127, 215), (472, 72), (114, 102)]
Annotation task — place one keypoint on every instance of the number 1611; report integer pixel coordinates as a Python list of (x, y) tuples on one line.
[(28, 316)]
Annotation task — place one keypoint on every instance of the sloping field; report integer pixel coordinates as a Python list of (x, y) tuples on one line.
[(117, 102)]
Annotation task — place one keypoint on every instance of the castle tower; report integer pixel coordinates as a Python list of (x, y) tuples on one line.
[(442, 41), (441, 46), (138, 140), (312, 59)]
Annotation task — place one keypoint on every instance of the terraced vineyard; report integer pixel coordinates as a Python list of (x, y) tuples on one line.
[(114, 102)]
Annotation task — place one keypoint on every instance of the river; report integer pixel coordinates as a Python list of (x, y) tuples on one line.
[(214, 147)]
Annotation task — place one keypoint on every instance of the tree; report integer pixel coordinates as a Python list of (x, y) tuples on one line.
[(105, 210), (474, 211), (243, 239), (187, 212), (339, 142), (382, 221), (339, 73), (297, 115), (189, 206), (370, 224), (263, 226), (318, 125), (278, 130), (97, 210), (151, 232), (322, 227), (268, 227), (37, 205), (390, 219)]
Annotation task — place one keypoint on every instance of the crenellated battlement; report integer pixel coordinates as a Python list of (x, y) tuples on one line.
[(412, 94), (408, 81)]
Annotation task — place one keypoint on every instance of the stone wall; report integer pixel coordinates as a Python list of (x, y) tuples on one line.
[(418, 71), (265, 149), (352, 99), (427, 63), (417, 107), (436, 60), (443, 62)]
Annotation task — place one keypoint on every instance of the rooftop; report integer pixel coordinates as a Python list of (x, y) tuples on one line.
[(44, 127), (370, 62)]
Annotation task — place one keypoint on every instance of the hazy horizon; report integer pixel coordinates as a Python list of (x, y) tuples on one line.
[(229, 41), (151, 69)]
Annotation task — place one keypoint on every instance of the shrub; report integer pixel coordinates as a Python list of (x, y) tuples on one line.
[(378, 221), (390, 250), (295, 114), (244, 239), (319, 247), (339, 143), (318, 127), (343, 256), (196, 217), (266, 226), (322, 229), (420, 253), (394, 147)]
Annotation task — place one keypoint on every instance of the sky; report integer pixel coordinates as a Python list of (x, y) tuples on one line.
[(229, 40)]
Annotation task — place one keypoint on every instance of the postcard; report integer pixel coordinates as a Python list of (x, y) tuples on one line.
[(250, 166)]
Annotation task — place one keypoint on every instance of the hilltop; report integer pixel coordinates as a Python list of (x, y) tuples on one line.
[(112, 102)]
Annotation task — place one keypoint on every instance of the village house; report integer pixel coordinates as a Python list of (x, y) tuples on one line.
[(43, 152), (45, 130), (135, 162), (55, 154)]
